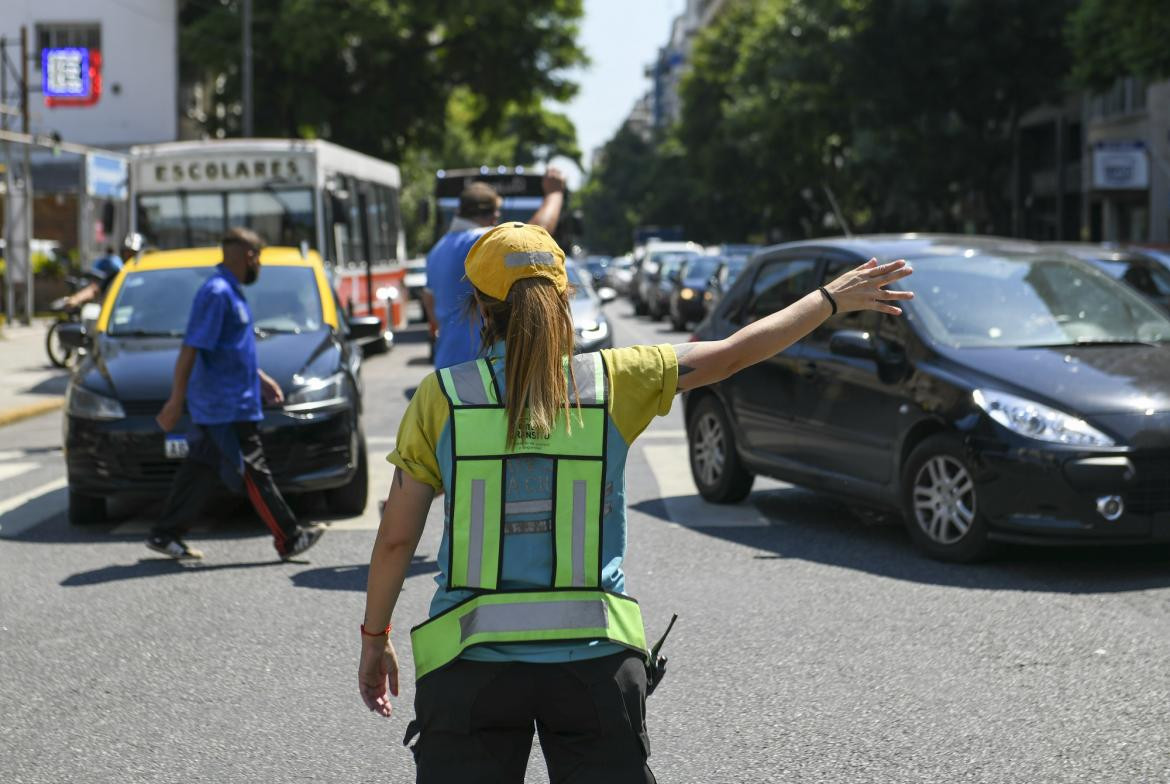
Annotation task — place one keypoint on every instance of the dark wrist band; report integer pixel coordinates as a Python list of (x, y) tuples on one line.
[(829, 297)]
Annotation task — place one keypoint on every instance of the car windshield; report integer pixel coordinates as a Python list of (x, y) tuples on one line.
[(158, 302), (701, 267), (671, 262), (1027, 301), (578, 288)]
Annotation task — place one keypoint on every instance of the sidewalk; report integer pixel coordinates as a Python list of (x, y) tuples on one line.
[(29, 384)]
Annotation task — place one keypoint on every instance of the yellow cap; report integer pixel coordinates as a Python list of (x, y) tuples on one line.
[(513, 251)]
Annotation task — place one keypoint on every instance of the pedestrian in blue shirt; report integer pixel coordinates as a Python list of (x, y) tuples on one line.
[(448, 294), (217, 377)]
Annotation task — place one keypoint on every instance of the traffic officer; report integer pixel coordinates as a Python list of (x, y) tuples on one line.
[(531, 627), (448, 293)]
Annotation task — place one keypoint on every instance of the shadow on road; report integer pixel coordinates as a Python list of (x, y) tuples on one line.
[(50, 386), (154, 567), (815, 528), (353, 578)]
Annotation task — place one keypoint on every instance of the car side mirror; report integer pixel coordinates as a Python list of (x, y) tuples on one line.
[(606, 294), (364, 328), (90, 313), (852, 343)]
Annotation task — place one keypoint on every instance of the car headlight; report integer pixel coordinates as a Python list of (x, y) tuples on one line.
[(687, 294), (708, 296), (591, 331), (312, 393), (1034, 420), (83, 404)]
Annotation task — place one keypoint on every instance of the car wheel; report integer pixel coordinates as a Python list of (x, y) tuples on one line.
[(86, 509), (715, 465), (639, 308), (350, 499), (58, 354), (677, 324), (940, 503)]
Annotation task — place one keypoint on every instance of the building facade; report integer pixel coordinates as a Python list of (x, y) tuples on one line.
[(1097, 167), (137, 41)]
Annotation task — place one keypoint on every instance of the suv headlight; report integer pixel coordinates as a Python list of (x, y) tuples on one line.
[(313, 393), (83, 404), (1034, 420)]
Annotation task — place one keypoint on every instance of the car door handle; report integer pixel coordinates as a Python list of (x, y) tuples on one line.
[(806, 368)]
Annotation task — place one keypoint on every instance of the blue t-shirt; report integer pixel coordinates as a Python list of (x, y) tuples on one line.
[(225, 383), (459, 339), (107, 266)]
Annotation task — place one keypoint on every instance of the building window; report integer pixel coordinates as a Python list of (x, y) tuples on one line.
[(60, 36), (1126, 96)]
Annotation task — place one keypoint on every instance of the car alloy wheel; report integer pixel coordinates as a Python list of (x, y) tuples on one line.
[(710, 448), (944, 500)]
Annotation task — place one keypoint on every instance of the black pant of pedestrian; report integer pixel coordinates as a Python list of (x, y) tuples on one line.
[(231, 455), (476, 721)]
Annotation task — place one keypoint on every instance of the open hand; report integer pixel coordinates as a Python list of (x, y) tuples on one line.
[(863, 288), (378, 669), (554, 181), (270, 390)]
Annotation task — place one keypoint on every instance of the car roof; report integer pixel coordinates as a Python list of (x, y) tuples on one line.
[(887, 247), (1089, 252), (277, 256)]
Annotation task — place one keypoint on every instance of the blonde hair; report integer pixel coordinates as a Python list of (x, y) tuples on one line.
[(536, 324)]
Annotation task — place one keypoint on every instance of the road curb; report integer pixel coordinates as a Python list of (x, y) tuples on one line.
[(11, 415)]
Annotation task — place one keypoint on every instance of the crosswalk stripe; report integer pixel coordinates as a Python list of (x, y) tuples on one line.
[(684, 506), (26, 519), (9, 470)]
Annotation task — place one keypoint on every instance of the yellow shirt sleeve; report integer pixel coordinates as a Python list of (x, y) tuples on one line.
[(419, 433), (642, 383)]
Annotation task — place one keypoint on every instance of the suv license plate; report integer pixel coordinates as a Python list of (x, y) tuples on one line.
[(176, 447)]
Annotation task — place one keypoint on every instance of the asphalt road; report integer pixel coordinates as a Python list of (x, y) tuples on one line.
[(812, 646)]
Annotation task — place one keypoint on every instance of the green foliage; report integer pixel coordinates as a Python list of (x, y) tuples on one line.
[(48, 266), (423, 83), (904, 109), (1118, 38)]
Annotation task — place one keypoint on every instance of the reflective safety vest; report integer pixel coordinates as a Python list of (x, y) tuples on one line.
[(573, 606)]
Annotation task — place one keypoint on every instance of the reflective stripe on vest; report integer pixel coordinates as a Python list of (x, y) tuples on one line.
[(526, 616)]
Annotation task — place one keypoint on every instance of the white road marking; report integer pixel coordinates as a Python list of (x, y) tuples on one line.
[(11, 454), (30, 508), (669, 464), (9, 470), (380, 441), (664, 433)]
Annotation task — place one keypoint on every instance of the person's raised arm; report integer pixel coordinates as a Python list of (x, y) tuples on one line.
[(173, 408), (708, 362), (548, 214), (402, 524)]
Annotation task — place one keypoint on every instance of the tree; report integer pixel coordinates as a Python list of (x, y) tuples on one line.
[(1117, 38), (426, 83)]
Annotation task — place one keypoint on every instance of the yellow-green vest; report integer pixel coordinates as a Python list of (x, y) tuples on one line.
[(573, 606)]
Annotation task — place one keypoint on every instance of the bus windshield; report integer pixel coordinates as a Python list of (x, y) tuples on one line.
[(189, 219)]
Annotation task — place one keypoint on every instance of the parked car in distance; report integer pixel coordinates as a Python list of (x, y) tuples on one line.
[(1023, 396), (729, 269), (590, 324), (690, 292), (598, 269), (313, 440), (1139, 269), (621, 273), (645, 289)]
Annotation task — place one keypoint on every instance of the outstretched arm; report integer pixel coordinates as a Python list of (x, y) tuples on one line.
[(549, 212), (708, 362)]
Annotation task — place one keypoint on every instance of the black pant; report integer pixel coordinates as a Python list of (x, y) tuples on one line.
[(232, 455), (476, 721)]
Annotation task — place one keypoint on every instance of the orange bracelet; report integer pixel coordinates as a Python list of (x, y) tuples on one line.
[(365, 633)]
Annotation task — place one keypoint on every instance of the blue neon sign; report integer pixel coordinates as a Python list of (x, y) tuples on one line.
[(65, 73)]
